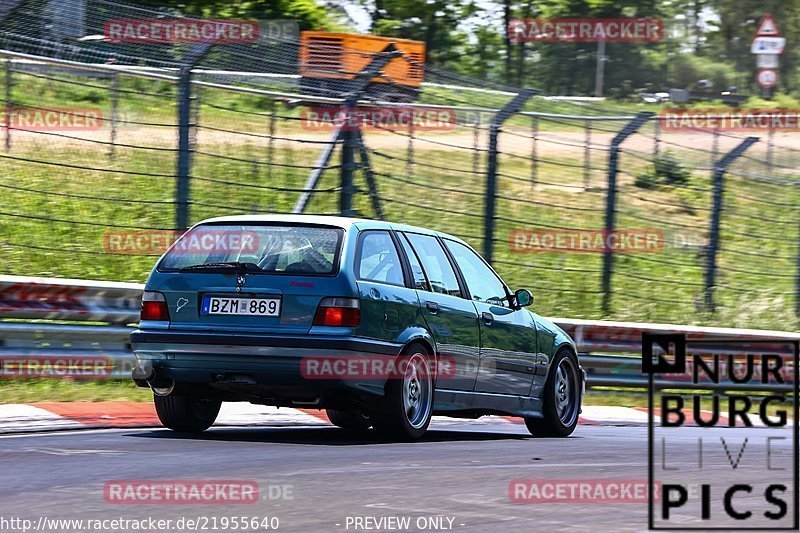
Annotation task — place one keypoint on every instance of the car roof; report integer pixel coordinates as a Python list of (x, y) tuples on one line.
[(329, 220), (341, 222)]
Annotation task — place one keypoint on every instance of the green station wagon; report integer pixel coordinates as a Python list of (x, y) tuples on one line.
[(381, 324)]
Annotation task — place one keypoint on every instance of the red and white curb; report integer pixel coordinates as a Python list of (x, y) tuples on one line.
[(50, 416)]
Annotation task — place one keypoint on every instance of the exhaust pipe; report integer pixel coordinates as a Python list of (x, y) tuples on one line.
[(162, 386), (148, 377)]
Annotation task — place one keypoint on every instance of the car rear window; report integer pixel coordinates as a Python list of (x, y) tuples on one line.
[(290, 249)]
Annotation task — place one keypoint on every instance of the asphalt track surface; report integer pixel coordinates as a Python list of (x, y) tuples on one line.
[(460, 472)]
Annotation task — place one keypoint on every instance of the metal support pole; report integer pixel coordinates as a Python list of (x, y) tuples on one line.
[(714, 146), (184, 148), (500, 117), (587, 155), (475, 147), (770, 149), (716, 214), (114, 114), (270, 142), (348, 165), (187, 117), (9, 104), (797, 282), (347, 135), (410, 148), (319, 167), (656, 138), (611, 201), (372, 185), (600, 68)]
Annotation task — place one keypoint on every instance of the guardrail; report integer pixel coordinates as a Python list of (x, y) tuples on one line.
[(608, 349)]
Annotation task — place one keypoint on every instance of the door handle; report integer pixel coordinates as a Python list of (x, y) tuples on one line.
[(433, 307), (487, 317)]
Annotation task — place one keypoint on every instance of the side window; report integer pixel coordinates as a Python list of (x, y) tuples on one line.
[(440, 273), (420, 283), (378, 259), (482, 282)]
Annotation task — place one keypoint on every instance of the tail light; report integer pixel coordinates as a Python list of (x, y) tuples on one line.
[(154, 307), (340, 312)]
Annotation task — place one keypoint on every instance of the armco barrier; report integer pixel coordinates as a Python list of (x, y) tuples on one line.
[(608, 349)]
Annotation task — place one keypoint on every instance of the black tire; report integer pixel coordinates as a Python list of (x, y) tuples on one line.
[(349, 419), (180, 413), (559, 421), (398, 416)]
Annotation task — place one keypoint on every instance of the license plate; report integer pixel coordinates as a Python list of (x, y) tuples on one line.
[(213, 305)]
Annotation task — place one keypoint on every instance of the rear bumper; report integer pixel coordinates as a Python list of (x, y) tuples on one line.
[(252, 361)]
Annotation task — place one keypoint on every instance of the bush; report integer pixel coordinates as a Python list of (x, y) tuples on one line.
[(665, 170)]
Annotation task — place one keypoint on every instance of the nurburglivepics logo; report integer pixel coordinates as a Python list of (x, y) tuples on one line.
[(726, 424)]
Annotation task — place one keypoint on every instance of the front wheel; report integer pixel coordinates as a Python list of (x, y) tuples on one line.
[(404, 412), (562, 399), (180, 413)]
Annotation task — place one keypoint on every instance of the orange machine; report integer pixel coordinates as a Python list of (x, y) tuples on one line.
[(328, 61)]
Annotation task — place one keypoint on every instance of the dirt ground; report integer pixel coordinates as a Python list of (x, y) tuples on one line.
[(549, 143)]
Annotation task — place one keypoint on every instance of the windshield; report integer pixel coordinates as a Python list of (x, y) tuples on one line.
[(287, 249)]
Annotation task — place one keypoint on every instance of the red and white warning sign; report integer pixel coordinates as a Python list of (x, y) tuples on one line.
[(767, 27), (767, 77)]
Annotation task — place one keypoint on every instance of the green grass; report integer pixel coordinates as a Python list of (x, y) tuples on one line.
[(60, 390)]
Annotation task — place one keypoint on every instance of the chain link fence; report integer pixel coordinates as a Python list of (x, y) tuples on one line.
[(111, 149)]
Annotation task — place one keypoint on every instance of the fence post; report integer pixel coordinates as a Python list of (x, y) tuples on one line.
[(410, 149), (9, 105), (587, 154), (611, 201), (270, 142), (475, 146), (369, 176), (184, 154), (186, 125), (498, 119), (797, 286), (770, 146), (656, 138), (348, 165), (534, 153), (114, 113), (716, 213)]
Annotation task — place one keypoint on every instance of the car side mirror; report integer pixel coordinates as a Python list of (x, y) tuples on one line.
[(523, 298)]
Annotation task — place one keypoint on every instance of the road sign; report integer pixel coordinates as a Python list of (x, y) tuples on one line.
[(768, 45), (767, 60), (767, 27), (767, 78)]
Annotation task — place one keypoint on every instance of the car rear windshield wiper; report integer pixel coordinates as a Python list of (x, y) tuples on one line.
[(235, 266)]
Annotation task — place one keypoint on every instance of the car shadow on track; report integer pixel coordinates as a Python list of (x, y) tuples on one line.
[(320, 436)]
